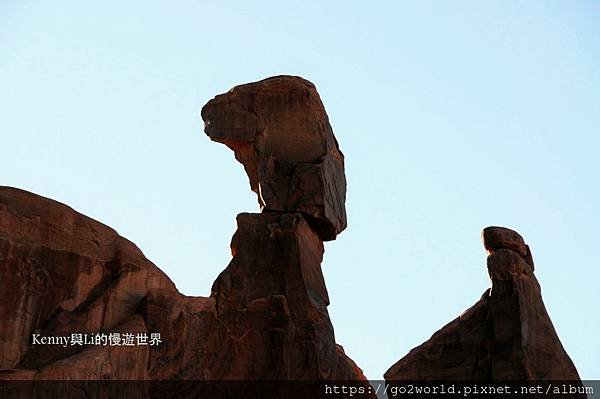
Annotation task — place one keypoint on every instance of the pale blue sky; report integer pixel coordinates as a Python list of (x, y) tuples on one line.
[(452, 115)]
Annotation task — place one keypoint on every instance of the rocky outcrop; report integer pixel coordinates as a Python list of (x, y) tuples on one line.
[(266, 318), (507, 335), (272, 298), (279, 130), (62, 272)]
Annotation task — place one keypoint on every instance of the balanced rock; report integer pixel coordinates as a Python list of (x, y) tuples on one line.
[(66, 275), (495, 238), (507, 335), (279, 130)]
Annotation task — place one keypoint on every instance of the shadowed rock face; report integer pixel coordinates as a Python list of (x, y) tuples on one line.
[(266, 318), (495, 238), (272, 296), (279, 130), (63, 272), (506, 335)]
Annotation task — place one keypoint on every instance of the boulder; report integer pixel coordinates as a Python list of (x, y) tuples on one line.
[(279, 130), (495, 238)]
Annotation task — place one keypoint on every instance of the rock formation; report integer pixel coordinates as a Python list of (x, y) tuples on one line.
[(507, 335), (279, 131), (63, 273)]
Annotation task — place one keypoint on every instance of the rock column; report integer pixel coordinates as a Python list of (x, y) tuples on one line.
[(506, 336), (271, 299)]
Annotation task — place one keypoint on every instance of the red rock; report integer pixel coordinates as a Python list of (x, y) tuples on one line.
[(507, 335), (495, 238), (279, 130), (63, 272), (273, 300), (266, 318)]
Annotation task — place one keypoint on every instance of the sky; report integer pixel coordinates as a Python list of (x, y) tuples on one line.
[(452, 115)]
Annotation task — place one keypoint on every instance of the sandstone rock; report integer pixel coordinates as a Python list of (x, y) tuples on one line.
[(495, 238), (279, 130), (273, 301), (64, 273), (266, 318), (103, 362), (507, 335)]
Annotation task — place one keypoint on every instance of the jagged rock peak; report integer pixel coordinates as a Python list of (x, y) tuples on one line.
[(506, 335), (495, 238), (279, 130)]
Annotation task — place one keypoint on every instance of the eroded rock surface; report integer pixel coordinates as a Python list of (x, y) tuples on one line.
[(279, 130), (266, 317), (63, 273), (506, 335)]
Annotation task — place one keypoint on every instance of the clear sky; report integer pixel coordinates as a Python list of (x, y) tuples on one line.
[(453, 116)]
